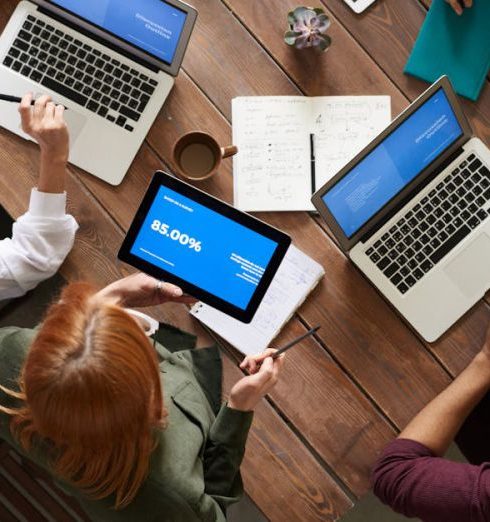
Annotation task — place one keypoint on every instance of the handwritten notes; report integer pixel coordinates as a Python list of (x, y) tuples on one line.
[(272, 170), (296, 277)]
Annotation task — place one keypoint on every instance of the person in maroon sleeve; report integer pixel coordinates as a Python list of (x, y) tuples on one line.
[(412, 476)]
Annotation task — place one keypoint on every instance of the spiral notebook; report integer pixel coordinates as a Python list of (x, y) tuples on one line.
[(296, 277)]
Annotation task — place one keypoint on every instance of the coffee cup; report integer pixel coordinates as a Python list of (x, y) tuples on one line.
[(198, 155)]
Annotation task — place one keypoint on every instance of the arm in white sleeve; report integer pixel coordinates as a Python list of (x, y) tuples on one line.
[(41, 239)]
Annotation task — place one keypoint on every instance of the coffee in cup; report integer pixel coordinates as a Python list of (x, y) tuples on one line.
[(198, 155)]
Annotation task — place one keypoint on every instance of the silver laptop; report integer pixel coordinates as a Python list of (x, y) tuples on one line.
[(412, 212), (112, 63)]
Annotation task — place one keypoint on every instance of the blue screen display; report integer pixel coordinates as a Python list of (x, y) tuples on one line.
[(203, 247), (152, 25), (394, 163)]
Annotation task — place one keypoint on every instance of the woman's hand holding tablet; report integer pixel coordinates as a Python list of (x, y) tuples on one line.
[(220, 255)]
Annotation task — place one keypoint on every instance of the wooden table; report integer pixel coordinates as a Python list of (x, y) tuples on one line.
[(349, 390)]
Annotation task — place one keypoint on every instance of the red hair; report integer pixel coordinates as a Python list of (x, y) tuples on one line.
[(91, 389)]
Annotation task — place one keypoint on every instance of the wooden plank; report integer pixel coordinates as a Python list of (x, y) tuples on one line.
[(34, 490), (5, 514), (45, 480), (23, 506)]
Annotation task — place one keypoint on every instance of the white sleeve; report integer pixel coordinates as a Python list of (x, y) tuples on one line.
[(41, 239)]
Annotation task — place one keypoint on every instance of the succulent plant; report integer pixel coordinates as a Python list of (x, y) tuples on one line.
[(307, 28)]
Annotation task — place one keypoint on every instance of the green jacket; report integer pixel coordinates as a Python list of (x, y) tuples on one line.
[(194, 471)]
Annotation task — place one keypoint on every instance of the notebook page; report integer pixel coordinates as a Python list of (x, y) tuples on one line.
[(296, 277), (272, 168), (342, 126)]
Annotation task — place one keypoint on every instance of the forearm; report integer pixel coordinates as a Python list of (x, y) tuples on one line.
[(438, 423), (52, 173)]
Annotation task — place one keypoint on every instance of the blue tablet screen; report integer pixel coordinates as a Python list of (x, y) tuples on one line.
[(152, 25), (203, 247), (394, 163)]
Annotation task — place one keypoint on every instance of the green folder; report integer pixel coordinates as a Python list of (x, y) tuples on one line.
[(458, 46)]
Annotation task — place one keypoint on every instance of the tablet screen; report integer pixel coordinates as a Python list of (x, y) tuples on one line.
[(203, 246)]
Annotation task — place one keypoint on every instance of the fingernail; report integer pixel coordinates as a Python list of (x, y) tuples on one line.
[(177, 292)]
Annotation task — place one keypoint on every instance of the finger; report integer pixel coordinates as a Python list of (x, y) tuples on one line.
[(169, 290), (249, 364), (265, 373), (280, 360), (456, 6), (468, 3), (40, 106), (25, 110), (49, 112), (259, 359), (59, 114)]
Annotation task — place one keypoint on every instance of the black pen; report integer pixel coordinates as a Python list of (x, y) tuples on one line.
[(294, 342), (13, 99), (312, 163)]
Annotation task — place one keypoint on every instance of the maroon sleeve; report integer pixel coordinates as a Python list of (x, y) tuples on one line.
[(414, 482)]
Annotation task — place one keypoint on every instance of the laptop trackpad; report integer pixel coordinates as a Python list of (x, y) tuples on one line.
[(75, 122), (470, 270)]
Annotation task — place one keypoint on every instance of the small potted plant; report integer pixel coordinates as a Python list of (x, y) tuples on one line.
[(307, 28)]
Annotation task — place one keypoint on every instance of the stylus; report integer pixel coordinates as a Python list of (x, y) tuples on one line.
[(295, 341), (15, 99)]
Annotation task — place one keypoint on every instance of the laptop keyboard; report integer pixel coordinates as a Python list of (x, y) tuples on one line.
[(80, 72), (434, 226)]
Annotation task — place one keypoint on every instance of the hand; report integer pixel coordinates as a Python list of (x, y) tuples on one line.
[(457, 5), (45, 123), (264, 373), (140, 290)]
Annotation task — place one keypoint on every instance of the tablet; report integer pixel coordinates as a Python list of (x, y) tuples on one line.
[(214, 252)]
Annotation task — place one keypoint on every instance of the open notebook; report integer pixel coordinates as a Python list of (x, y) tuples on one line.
[(289, 146), (296, 277)]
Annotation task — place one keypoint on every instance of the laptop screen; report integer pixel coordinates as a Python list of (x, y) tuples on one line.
[(153, 26), (393, 164)]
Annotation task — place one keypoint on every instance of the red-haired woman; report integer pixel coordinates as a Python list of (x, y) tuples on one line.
[(120, 424)]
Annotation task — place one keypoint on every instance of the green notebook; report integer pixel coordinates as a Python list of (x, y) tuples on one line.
[(458, 46)]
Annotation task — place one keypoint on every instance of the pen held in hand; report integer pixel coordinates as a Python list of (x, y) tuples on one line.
[(294, 342), (289, 345), (15, 99)]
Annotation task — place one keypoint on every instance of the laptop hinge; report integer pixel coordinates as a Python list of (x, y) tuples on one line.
[(93, 36), (379, 224)]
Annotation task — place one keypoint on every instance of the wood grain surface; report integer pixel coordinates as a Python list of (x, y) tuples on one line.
[(346, 392)]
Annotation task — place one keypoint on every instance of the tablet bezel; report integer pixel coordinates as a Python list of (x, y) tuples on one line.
[(163, 179)]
